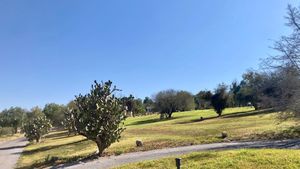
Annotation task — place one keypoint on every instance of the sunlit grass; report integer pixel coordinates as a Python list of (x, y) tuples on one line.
[(10, 137), (185, 128), (233, 159)]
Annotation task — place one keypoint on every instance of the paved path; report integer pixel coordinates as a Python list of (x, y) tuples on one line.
[(10, 152), (113, 161)]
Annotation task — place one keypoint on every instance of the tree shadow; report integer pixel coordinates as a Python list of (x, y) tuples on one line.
[(61, 134), (248, 113), (12, 147), (154, 120), (56, 162), (28, 152), (231, 115)]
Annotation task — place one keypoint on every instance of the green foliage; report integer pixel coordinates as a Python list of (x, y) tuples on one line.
[(12, 117), (36, 126), (219, 99), (148, 104), (100, 115), (55, 113), (138, 107), (203, 99), (169, 101), (133, 106), (69, 121)]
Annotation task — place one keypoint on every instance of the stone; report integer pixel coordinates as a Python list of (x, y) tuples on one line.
[(224, 134), (139, 143)]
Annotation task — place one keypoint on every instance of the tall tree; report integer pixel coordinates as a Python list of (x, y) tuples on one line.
[(219, 99), (12, 117), (203, 99), (165, 102), (55, 113), (100, 115)]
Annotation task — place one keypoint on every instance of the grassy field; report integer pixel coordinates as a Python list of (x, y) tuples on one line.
[(233, 159), (10, 137), (184, 128)]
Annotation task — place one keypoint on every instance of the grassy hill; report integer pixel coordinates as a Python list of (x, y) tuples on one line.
[(185, 128)]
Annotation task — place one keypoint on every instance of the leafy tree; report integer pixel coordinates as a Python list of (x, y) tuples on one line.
[(184, 101), (55, 113), (69, 120), (36, 125), (129, 104), (12, 117), (169, 101), (165, 102), (219, 99), (148, 104), (138, 107), (100, 116), (203, 99)]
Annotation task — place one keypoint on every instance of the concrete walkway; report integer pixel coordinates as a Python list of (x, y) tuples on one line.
[(114, 161), (10, 152)]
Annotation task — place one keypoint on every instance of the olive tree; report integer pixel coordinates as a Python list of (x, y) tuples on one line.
[(169, 101), (100, 115)]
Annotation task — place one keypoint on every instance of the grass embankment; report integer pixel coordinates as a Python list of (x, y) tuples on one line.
[(184, 128), (233, 159)]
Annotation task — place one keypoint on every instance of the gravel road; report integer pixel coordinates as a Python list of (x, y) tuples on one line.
[(113, 161), (10, 152)]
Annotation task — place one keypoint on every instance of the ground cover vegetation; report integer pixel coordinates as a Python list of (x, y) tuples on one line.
[(235, 159)]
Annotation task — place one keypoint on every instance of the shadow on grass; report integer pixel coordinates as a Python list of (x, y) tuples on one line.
[(12, 147), (61, 134), (248, 113), (154, 120), (232, 115), (57, 162), (201, 156), (28, 152)]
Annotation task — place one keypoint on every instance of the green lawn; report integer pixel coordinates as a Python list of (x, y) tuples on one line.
[(233, 159), (184, 128), (10, 137)]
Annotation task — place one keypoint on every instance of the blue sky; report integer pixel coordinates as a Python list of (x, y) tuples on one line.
[(51, 50)]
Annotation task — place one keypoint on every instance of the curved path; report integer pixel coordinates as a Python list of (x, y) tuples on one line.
[(10, 152), (114, 161)]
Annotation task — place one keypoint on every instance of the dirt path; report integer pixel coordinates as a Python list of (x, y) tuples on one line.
[(113, 161), (10, 152)]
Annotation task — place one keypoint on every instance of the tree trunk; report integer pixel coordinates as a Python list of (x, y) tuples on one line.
[(100, 146), (16, 130)]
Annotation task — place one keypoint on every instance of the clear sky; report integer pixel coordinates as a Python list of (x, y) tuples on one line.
[(51, 50)]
